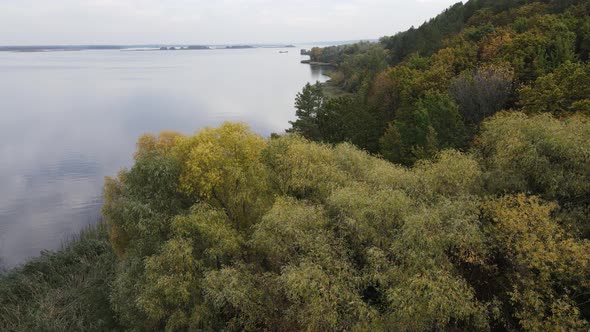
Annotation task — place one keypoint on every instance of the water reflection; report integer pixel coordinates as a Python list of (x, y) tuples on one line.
[(70, 118), (318, 73)]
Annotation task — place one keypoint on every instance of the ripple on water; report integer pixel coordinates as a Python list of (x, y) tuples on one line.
[(70, 118), (48, 203)]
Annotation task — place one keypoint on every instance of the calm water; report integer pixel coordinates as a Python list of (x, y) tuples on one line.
[(70, 118)]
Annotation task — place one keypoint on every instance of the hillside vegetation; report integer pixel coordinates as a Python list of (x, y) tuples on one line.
[(430, 88), (447, 190)]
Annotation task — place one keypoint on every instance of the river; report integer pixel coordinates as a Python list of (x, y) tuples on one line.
[(68, 119)]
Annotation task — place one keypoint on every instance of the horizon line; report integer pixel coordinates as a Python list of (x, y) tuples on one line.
[(189, 44)]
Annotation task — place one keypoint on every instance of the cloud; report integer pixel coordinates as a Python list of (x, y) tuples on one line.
[(199, 21)]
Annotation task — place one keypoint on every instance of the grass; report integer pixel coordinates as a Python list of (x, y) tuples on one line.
[(333, 91), (331, 88), (67, 290)]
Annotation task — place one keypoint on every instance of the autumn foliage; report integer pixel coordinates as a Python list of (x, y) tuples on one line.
[(225, 230), (484, 56)]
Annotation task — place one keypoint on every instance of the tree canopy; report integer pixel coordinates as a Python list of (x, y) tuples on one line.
[(236, 232), (479, 224), (447, 189)]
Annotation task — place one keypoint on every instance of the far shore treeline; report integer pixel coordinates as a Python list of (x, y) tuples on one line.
[(440, 181)]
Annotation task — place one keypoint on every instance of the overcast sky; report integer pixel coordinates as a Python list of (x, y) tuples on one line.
[(27, 22)]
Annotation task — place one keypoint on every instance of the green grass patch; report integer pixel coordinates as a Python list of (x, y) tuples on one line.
[(333, 91), (67, 290)]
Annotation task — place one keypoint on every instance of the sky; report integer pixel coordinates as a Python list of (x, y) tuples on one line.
[(127, 22)]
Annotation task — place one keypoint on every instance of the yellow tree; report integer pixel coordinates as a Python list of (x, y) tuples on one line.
[(222, 166), (542, 268)]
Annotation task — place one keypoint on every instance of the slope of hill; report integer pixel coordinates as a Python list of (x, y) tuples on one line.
[(468, 63)]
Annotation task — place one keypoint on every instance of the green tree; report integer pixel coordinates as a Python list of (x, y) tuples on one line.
[(309, 104), (418, 132), (567, 89), (347, 119), (409, 138), (445, 120)]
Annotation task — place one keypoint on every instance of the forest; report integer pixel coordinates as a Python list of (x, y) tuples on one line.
[(429, 89), (447, 190)]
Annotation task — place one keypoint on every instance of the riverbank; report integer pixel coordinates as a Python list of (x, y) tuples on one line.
[(316, 63), (333, 91), (330, 88)]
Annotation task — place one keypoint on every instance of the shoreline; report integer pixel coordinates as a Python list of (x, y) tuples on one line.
[(316, 63)]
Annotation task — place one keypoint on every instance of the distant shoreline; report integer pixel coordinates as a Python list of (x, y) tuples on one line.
[(132, 48)]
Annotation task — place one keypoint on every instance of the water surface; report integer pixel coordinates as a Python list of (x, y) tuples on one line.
[(70, 118)]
